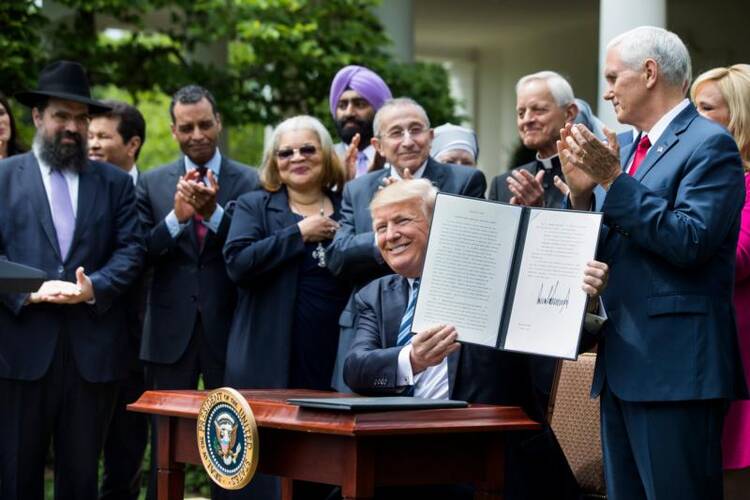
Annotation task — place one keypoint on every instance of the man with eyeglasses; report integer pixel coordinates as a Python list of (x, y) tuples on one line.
[(356, 95), (186, 215), (403, 137), (61, 346)]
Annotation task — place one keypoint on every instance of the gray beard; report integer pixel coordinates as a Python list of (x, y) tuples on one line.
[(60, 156)]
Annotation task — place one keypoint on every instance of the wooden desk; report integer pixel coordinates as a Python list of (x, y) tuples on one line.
[(357, 451)]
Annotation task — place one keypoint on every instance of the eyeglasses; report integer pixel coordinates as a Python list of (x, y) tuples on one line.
[(400, 134), (306, 150)]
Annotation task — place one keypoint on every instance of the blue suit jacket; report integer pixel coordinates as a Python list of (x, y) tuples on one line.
[(187, 278), (475, 373), (669, 237), (107, 242)]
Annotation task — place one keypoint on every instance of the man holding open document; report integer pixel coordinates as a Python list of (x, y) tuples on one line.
[(385, 358)]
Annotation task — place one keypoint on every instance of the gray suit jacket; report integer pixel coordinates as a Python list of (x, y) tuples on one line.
[(353, 254), (187, 279)]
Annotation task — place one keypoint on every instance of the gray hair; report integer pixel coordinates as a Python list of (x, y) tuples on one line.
[(407, 190), (557, 85), (664, 47), (395, 103)]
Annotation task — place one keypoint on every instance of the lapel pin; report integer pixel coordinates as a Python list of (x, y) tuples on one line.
[(660, 149)]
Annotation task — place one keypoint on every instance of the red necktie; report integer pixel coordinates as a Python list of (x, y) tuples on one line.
[(640, 154), (200, 229)]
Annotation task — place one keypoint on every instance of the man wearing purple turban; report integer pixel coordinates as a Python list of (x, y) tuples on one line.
[(356, 94)]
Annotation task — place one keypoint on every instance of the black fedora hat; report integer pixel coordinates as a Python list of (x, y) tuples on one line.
[(63, 80)]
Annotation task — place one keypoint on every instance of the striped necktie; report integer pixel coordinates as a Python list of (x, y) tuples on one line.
[(404, 331)]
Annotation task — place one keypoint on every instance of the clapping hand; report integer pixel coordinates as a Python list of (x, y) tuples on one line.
[(201, 197), (350, 158), (527, 189)]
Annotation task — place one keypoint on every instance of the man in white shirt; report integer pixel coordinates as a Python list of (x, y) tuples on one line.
[(385, 358), (185, 208), (117, 137), (403, 136)]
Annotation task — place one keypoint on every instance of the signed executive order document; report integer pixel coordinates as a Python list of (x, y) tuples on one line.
[(506, 276)]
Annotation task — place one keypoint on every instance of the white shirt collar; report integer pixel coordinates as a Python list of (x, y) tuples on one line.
[(546, 162), (416, 175), (660, 126), (214, 164), (134, 174)]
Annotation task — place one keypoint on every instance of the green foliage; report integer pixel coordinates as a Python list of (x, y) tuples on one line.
[(264, 60), (21, 23), (160, 147)]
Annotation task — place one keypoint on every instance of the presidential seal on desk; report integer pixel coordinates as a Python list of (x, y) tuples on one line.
[(228, 438)]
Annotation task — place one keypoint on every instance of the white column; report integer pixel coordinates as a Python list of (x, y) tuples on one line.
[(615, 17), (397, 18)]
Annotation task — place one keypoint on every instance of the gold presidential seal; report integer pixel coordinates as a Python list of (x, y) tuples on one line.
[(228, 438)]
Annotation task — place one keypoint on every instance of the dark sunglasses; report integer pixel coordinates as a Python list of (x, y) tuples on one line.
[(306, 150)]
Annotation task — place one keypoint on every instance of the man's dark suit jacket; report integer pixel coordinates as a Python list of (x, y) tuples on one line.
[(670, 235), (107, 242), (476, 374), (553, 198), (185, 278), (353, 255)]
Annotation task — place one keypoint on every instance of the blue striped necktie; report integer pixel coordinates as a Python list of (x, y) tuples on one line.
[(404, 331)]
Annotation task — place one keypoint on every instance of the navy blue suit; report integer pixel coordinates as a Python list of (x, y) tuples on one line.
[(667, 358), (355, 257), (190, 299), (187, 279), (58, 362)]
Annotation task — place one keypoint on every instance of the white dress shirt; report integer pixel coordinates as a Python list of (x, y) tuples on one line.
[(432, 383), (659, 127)]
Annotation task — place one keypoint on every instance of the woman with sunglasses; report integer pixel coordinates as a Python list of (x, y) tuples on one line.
[(285, 328), (723, 95)]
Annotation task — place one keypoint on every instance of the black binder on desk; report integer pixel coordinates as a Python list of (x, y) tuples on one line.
[(377, 403), (17, 278)]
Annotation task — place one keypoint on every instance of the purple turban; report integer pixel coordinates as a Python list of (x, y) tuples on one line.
[(362, 80)]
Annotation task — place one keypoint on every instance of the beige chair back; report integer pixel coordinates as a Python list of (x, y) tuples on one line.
[(575, 421)]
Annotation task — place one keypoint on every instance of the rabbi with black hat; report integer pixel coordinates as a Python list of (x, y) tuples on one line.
[(60, 347)]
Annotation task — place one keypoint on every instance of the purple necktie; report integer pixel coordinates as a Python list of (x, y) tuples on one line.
[(62, 211), (362, 163)]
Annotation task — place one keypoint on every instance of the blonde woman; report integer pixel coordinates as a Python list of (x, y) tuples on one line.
[(723, 95)]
